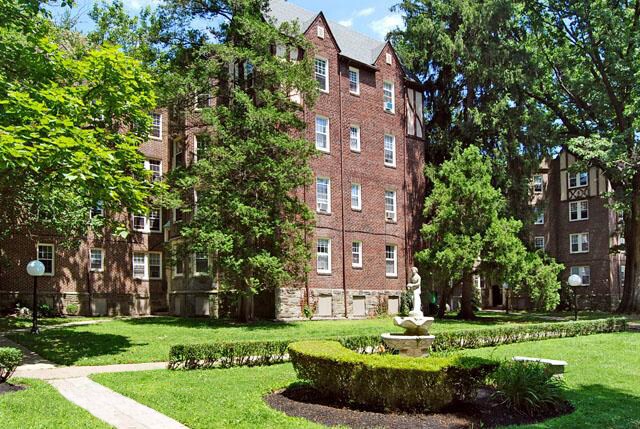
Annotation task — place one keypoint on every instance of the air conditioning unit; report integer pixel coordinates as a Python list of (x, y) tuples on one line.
[(388, 106), (390, 217)]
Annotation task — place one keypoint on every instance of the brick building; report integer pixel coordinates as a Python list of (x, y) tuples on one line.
[(368, 193)]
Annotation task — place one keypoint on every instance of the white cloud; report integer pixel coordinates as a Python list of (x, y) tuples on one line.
[(387, 23), (365, 12), (346, 22), (139, 4)]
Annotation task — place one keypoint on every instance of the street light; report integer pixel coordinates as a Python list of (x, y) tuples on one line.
[(35, 269), (505, 286), (575, 281)]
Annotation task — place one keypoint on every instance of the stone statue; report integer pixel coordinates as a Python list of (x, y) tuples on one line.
[(414, 285)]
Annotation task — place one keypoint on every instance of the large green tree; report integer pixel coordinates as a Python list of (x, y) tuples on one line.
[(71, 121)]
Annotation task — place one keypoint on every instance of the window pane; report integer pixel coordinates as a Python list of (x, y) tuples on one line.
[(354, 84), (390, 205), (322, 195), (321, 73), (96, 259), (356, 255), (388, 96), (389, 150), (390, 260), (354, 138), (156, 125), (355, 196), (322, 252), (45, 255), (202, 263), (155, 265), (322, 133), (139, 263), (154, 220)]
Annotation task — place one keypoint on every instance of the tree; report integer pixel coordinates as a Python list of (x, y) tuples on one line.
[(71, 121), (466, 232), (583, 62)]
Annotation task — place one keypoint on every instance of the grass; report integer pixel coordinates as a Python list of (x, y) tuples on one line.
[(40, 406), (602, 375), (148, 339), (9, 323)]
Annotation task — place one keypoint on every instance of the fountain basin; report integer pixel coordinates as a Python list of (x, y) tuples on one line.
[(414, 325), (409, 345)]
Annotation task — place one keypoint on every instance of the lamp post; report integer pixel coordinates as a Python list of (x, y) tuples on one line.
[(35, 269), (505, 286), (575, 281)]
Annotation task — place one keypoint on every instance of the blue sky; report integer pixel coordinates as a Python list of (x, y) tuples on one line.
[(371, 17)]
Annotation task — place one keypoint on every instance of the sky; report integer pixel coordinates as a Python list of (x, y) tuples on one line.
[(371, 17)]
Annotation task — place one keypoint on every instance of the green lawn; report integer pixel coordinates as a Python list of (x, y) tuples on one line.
[(148, 339), (40, 406), (602, 375), (9, 323)]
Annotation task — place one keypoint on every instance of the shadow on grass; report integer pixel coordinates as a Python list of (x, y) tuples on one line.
[(184, 322), (68, 346)]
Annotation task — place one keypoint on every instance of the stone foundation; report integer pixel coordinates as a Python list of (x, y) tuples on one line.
[(329, 303), (189, 303)]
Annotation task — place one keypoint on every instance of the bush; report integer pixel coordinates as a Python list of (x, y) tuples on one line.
[(528, 387), (249, 353), (72, 309), (10, 358), (385, 381)]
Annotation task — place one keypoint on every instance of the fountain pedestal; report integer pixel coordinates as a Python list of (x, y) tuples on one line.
[(415, 341)]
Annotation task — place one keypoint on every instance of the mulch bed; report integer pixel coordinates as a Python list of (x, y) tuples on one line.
[(10, 388), (483, 411)]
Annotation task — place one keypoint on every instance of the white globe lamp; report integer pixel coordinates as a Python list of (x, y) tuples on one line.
[(35, 269)]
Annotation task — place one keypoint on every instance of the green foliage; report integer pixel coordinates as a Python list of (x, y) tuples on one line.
[(385, 381), (10, 358), (241, 353), (71, 121), (528, 387), (73, 309)]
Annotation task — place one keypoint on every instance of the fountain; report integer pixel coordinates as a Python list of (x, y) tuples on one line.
[(415, 341)]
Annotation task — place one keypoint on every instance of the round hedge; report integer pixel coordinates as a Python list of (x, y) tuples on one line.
[(10, 358), (387, 382)]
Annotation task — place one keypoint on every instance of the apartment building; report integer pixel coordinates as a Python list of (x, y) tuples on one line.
[(573, 225), (367, 194)]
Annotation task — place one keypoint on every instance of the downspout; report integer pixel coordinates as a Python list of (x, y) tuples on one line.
[(344, 279), (407, 252), (306, 238)]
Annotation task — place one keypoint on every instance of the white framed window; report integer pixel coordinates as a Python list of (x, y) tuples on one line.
[(178, 155), (151, 223), (354, 138), (178, 268), (538, 184), (156, 126), (356, 254), (323, 195), (139, 265), (97, 210), (178, 215), (320, 32), (391, 260), (203, 101), (388, 97), (538, 242), (200, 264), (154, 260), (354, 80), (584, 272), (388, 58), (579, 243), (389, 151), (322, 134), (578, 180), (96, 260), (323, 256), (356, 196), (539, 214), (201, 144), (155, 166), (147, 265), (46, 255), (578, 210), (322, 74), (390, 206)]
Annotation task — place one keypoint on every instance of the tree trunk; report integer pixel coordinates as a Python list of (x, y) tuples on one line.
[(245, 310), (444, 298), (466, 304), (630, 302)]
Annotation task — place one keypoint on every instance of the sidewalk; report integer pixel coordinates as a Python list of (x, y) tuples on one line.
[(31, 361)]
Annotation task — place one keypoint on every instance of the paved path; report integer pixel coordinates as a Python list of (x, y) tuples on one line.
[(63, 372), (112, 407), (31, 361)]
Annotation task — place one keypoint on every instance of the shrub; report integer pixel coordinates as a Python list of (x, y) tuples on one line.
[(386, 381), (248, 353), (10, 358), (528, 387), (73, 309)]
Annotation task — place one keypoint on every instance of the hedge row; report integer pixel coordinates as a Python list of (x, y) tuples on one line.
[(387, 382), (10, 358), (252, 353)]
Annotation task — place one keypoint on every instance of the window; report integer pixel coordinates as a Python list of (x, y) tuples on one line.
[(97, 210), (322, 76), (538, 242), (96, 260), (202, 101), (147, 266), (177, 214), (139, 265), (323, 195), (155, 166), (155, 221), (578, 210), (356, 254), (391, 262), (622, 274), (178, 155), (354, 138), (178, 268), (201, 143), (388, 58), (322, 134), (389, 151), (388, 97), (539, 213), (151, 223), (323, 256), (390, 206), (356, 196), (139, 222), (320, 31), (578, 180), (155, 265), (538, 184), (579, 242), (201, 263), (584, 273), (156, 126), (354, 80), (45, 255)]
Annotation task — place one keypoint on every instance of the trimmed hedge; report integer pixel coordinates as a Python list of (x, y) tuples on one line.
[(386, 381), (10, 358), (252, 353)]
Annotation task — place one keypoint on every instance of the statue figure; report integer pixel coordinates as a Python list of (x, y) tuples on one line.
[(414, 285)]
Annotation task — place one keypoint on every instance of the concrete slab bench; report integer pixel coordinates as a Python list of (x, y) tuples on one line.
[(555, 367)]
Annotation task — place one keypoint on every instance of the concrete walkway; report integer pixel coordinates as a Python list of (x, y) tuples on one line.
[(62, 372), (114, 408), (31, 360)]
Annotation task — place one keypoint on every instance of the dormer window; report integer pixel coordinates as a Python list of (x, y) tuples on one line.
[(320, 31), (389, 58), (354, 80)]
